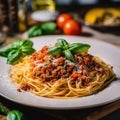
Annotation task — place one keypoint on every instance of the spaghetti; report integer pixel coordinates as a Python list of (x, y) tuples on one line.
[(57, 77)]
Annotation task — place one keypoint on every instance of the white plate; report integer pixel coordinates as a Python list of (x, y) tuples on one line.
[(107, 52)]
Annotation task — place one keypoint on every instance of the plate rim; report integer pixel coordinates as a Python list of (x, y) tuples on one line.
[(68, 107)]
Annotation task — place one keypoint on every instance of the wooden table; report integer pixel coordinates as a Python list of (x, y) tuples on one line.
[(80, 114)]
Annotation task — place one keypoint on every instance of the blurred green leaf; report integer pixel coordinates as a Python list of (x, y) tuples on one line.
[(48, 28), (15, 115), (35, 31)]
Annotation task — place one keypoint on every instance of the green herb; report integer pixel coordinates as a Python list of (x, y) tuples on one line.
[(69, 55), (13, 56), (56, 50), (13, 114), (3, 110), (35, 31), (4, 52), (43, 29), (79, 47), (68, 49), (48, 28), (17, 50)]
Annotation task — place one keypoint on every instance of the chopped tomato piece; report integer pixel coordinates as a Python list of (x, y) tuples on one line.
[(74, 74)]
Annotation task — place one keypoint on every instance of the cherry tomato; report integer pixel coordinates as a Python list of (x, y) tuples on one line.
[(72, 27), (62, 19)]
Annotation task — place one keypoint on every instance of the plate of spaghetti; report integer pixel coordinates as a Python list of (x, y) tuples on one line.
[(64, 72)]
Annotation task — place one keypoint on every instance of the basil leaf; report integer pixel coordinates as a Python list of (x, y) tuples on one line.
[(16, 44), (27, 43), (65, 65), (48, 28), (18, 48), (79, 47), (13, 56), (33, 28), (55, 50), (69, 55), (35, 31), (3, 110), (62, 42), (4, 52), (76, 45), (83, 48), (15, 115), (27, 50), (72, 48)]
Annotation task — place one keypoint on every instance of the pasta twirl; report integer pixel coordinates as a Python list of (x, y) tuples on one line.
[(57, 77)]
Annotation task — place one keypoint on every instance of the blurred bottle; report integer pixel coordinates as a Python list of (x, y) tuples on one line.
[(22, 16), (13, 15), (9, 16), (4, 16), (43, 5)]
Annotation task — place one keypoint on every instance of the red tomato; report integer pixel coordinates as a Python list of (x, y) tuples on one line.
[(62, 19), (72, 27)]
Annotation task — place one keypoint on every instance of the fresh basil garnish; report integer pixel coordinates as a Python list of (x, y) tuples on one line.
[(68, 49), (17, 50)]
